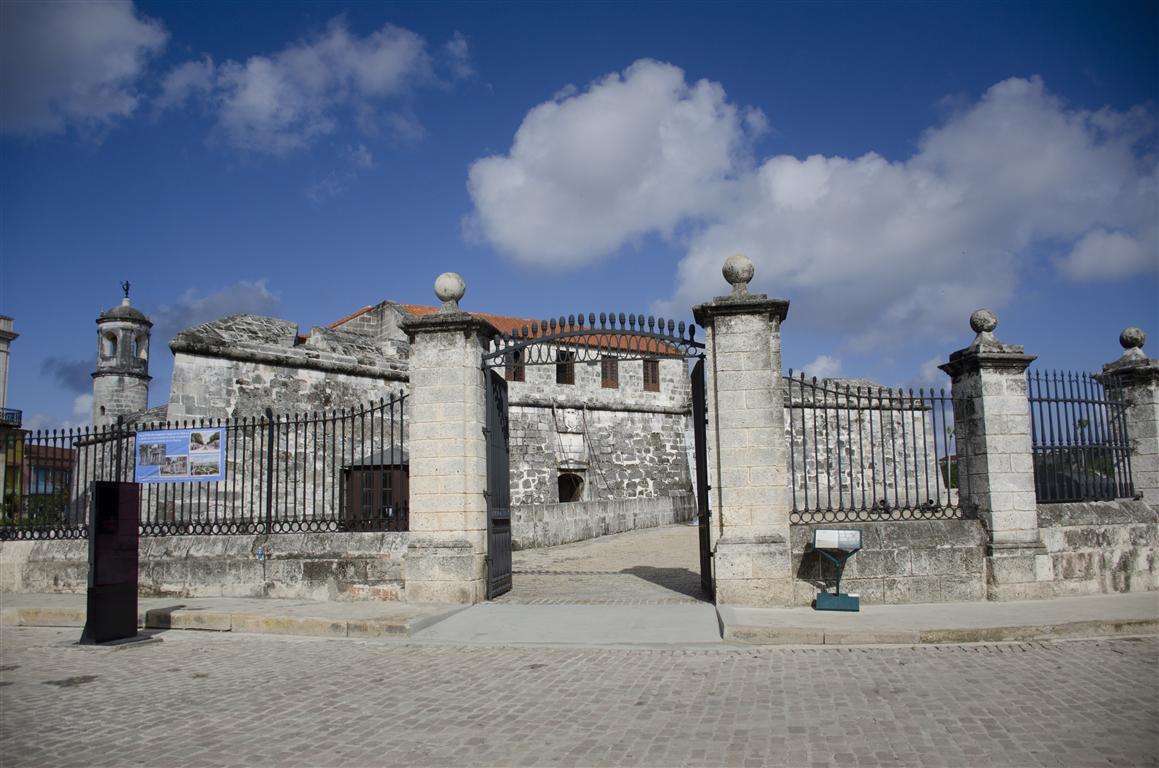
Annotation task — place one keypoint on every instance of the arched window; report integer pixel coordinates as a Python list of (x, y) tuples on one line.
[(141, 347), (571, 487), (109, 345)]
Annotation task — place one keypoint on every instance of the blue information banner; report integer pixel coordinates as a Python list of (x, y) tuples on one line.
[(181, 455)]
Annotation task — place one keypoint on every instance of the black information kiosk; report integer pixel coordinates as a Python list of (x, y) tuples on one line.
[(113, 536)]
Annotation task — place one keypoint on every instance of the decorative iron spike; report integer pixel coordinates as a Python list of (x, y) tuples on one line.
[(552, 322), (570, 321), (681, 327), (691, 331), (652, 323), (534, 327), (523, 332), (671, 327), (623, 322), (603, 320), (561, 319), (591, 319)]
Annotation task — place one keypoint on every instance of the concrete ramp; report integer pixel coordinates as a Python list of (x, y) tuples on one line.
[(585, 625)]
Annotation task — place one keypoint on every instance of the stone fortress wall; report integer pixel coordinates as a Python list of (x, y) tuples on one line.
[(621, 443)]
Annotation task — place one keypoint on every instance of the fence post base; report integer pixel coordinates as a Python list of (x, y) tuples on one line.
[(753, 571), (1016, 571), (443, 571)]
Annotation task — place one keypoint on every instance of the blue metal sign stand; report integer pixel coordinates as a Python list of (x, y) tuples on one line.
[(837, 547)]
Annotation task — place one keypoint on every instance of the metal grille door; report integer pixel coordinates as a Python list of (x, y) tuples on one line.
[(700, 438), (498, 488)]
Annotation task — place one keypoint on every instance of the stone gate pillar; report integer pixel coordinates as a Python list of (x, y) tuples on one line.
[(448, 459), (1135, 377), (748, 464), (996, 461)]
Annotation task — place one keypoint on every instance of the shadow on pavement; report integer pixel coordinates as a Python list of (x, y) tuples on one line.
[(679, 580)]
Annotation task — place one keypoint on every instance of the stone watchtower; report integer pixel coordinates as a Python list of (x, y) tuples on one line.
[(121, 380)]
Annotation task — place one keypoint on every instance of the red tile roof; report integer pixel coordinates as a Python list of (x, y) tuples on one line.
[(506, 324)]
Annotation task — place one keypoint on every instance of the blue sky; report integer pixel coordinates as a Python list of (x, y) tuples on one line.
[(889, 167)]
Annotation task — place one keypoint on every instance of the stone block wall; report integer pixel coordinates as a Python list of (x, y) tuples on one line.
[(214, 387), (918, 561), (548, 525), (1100, 546), (619, 455), (319, 566)]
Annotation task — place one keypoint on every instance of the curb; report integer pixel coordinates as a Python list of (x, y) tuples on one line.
[(754, 635), (220, 621)]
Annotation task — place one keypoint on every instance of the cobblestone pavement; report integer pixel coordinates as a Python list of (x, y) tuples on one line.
[(654, 566), (200, 699)]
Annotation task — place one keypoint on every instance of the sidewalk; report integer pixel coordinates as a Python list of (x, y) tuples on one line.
[(681, 625), (1088, 616), (237, 614)]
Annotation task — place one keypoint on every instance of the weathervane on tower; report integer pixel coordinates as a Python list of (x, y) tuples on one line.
[(125, 288)]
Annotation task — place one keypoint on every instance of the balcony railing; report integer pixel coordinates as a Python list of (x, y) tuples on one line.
[(10, 417)]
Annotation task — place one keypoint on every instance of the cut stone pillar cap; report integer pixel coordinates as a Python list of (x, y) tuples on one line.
[(738, 271), (1132, 341), (983, 322), (450, 287), (986, 351)]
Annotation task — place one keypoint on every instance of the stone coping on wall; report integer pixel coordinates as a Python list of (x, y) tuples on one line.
[(548, 525), (257, 339), (1122, 511)]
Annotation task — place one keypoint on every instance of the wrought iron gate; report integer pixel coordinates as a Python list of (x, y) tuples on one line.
[(498, 487), (700, 442)]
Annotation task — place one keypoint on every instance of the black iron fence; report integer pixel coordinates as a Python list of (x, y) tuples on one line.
[(1079, 437), (860, 453), (341, 470)]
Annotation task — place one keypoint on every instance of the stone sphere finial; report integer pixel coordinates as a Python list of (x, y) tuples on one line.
[(738, 271), (983, 321), (449, 287), (1132, 338)]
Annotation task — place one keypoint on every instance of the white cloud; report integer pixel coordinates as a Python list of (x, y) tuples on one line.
[(193, 78), (888, 249), (912, 247), (82, 416), (635, 153), (930, 375), (1103, 255), (284, 102), (823, 367), (243, 297), (360, 157), (458, 53), (328, 187), (72, 64)]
